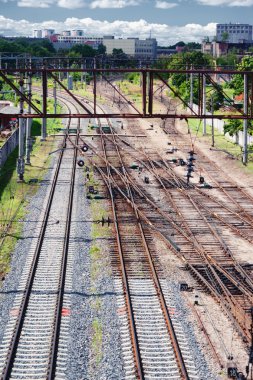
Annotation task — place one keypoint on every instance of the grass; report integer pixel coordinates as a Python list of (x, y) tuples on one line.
[(14, 196), (97, 341), (95, 255), (99, 231), (220, 142), (53, 125)]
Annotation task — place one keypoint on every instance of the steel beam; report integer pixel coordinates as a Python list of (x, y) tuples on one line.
[(144, 92), (70, 94), (19, 93), (147, 92), (150, 93), (127, 101), (176, 94), (245, 121)]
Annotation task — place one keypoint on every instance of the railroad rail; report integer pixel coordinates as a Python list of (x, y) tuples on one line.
[(154, 353), (194, 224), (147, 343), (30, 346), (219, 271)]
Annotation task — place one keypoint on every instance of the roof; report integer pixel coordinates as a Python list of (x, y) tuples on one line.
[(10, 110)]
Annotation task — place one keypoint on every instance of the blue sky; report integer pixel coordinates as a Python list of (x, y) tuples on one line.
[(168, 21)]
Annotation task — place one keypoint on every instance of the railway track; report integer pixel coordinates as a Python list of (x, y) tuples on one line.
[(160, 347), (34, 342), (158, 344), (202, 242), (194, 225)]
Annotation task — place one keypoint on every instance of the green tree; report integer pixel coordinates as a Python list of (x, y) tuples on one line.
[(101, 49), (237, 81), (224, 36), (82, 50)]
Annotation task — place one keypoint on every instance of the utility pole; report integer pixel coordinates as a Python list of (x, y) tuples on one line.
[(82, 74), (28, 120), (44, 105), (191, 89), (245, 122), (85, 75), (21, 161), (55, 97), (212, 122), (204, 103), (59, 66), (249, 367)]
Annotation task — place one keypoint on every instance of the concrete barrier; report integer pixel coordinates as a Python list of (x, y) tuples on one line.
[(8, 147)]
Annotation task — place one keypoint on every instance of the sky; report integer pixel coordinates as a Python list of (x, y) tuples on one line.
[(167, 21)]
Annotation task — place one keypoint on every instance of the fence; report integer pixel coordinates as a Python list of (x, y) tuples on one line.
[(219, 125), (8, 147)]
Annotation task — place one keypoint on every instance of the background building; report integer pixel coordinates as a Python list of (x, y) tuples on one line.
[(133, 47), (234, 33), (45, 33), (37, 34)]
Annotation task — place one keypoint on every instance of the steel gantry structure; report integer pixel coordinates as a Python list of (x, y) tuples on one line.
[(150, 81)]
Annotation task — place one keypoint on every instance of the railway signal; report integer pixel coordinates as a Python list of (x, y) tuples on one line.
[(190, 166)]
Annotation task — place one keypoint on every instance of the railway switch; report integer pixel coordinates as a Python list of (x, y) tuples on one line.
[(104, 221)]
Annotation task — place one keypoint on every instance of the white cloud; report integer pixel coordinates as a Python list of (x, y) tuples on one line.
[(164, 33), (113, 3), (165, 5), (228, 3), (35, 3), (71, 4)]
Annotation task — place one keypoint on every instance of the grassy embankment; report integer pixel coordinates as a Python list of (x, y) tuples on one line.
[(14, 196)]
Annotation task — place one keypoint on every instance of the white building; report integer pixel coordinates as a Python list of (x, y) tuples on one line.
[(76, 32), (47, 33), (37, 33), (77, 39), (132, 46), (234, 33)]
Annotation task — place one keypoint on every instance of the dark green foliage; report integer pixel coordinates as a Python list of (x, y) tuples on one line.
[(215, 99), (23, 45), (81, 51), (234, 126), (238, 80), (36, 128), (101, 49)]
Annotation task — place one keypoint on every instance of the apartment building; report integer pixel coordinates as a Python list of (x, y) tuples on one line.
[(133, 47), (234, 33)]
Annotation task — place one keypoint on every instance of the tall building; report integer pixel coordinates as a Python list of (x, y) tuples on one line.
[(45, 33), (37, 33), (132, 46), (234, 33)]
